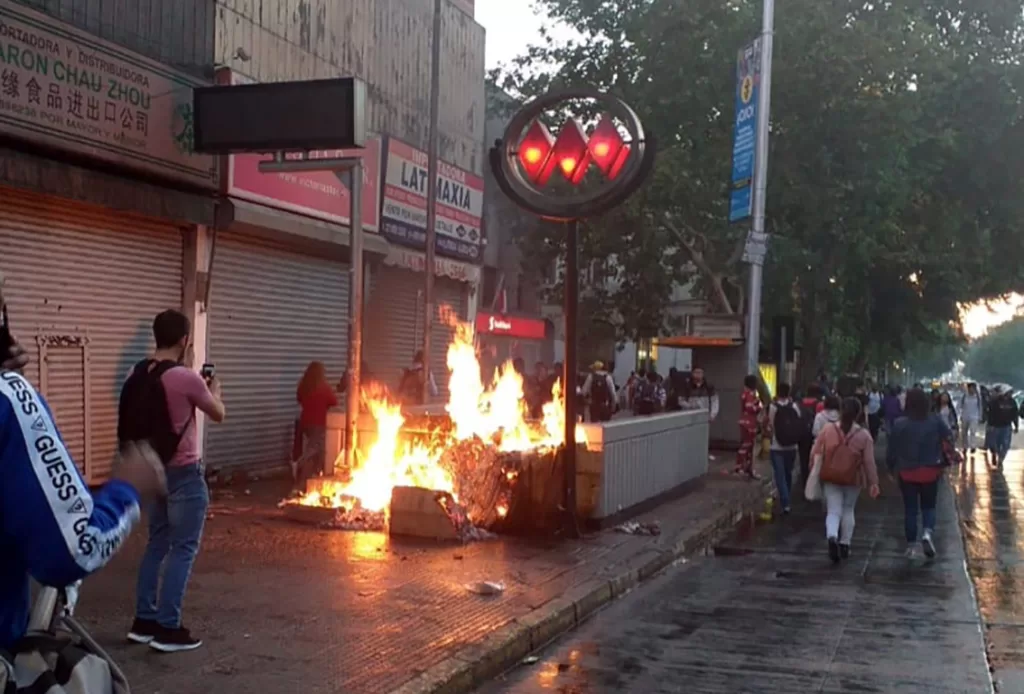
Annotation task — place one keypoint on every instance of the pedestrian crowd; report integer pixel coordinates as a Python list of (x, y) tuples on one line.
[(833, 436)]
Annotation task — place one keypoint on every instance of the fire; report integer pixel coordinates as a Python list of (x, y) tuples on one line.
[(494, 413)]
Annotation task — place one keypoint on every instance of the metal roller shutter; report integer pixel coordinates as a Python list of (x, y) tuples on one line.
[(394, 324), (273, 309), (83, 286)]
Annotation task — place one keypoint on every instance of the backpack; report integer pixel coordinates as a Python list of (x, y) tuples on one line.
[(599, 392), (788, 425), (808, 411), (143, 413), (840, 465), (646, 398)]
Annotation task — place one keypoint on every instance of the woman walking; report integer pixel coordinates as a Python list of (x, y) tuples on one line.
[(847, 454), (915, 455), (946, 411), (750, 410)]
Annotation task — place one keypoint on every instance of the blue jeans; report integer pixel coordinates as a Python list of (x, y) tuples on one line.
[(782, 470), (913, 494), (998, 440), (175, 528)]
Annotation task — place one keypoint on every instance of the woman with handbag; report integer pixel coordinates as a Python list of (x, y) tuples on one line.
[(920, 446), (845, 452)]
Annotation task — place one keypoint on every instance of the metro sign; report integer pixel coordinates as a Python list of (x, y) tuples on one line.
[(572, 152)]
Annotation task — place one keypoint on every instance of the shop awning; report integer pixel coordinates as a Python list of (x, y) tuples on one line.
[(232, 211)]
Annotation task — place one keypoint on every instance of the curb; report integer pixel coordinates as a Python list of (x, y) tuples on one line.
[(503, 648)]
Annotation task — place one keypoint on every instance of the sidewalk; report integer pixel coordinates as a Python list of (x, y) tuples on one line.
[(283, 607), (770, 614)]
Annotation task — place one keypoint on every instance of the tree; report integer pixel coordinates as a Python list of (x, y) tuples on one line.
[(894, 183)]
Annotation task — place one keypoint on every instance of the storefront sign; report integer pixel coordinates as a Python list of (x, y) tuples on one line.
[(460, 201), (316, 194), (443, 267), (64, 88), (511, 326)]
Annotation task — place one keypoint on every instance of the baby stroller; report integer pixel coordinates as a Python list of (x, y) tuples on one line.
[(58, 655)]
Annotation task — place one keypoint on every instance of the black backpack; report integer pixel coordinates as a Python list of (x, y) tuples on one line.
[(600, 395), (143, 413), (808, 411), (647, 398), (788, 425)]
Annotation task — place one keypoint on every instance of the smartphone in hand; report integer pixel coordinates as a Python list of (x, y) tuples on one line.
[(208, 372)]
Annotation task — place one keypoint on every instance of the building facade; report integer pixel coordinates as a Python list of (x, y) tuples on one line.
[(281, 270), (101, 198), (107, 217)]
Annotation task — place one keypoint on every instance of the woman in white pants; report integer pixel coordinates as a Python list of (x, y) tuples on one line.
[(845, 446)]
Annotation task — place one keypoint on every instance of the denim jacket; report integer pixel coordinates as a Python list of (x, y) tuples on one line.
[(916, 443)]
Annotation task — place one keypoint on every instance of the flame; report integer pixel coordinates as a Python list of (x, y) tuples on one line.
[(495, 412)]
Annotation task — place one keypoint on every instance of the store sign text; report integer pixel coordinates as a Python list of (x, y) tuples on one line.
[(67, 89)]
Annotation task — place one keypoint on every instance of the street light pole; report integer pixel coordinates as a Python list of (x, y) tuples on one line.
[(764, 101), (432, 154)]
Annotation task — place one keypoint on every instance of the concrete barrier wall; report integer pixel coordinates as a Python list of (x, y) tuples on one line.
[(629, 461)]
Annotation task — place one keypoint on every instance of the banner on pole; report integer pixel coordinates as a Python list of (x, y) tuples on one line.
[(748, 83)]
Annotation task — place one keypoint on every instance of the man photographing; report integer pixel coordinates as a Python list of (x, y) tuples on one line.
[(158, 404), (51, 527)]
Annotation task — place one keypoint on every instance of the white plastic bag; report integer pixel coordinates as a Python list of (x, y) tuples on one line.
[(812, 490)]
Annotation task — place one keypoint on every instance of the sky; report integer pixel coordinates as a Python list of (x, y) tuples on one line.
[(979, 318), (511, 26)]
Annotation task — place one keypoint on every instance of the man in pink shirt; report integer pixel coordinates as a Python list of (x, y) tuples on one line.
[(175, 523)]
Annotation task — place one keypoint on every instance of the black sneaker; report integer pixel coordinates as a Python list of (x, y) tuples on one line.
[(143, 630), (174, 640), (833, 550), (844, 551)]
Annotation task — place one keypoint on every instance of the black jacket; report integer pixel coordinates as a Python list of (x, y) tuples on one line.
[(1003, 412)]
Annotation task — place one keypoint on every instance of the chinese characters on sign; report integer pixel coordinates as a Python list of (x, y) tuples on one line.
[(460, 201), (748, 82), (64, 88)]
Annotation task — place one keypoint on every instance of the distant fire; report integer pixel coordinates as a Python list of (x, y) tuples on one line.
[(488, 424)]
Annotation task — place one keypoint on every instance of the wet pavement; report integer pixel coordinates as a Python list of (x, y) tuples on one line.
[(291, 608), (991, 503), (770, 613)]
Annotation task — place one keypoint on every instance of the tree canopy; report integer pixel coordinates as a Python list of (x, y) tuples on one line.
[(895, 184)]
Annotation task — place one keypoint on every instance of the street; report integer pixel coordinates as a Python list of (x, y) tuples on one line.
[(768, 613), (284, 607)]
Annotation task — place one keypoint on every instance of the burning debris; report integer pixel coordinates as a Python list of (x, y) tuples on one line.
[(460, 478)]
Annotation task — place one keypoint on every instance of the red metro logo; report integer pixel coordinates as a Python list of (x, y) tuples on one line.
[(572, 152)]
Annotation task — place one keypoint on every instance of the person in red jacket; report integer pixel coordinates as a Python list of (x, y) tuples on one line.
[(750, 412)]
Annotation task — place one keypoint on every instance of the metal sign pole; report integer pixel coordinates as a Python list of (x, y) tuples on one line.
[(355, 312), (570, 368), (432, 147), (760, 186)]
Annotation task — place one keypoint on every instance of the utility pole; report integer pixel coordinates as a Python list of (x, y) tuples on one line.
[(764, 101), (432, 147)]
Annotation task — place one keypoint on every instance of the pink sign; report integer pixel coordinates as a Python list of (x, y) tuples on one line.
[(314, 194), (317, 194)]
